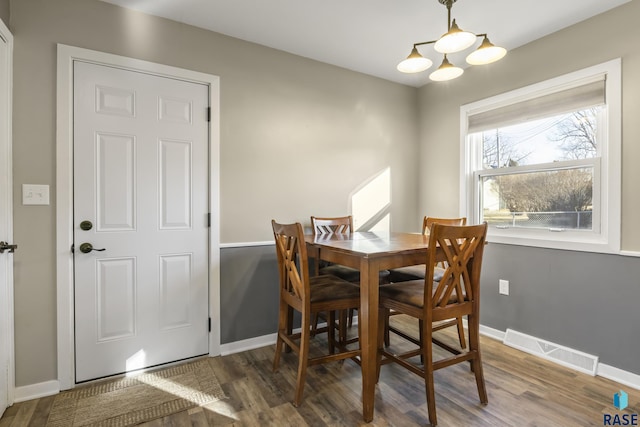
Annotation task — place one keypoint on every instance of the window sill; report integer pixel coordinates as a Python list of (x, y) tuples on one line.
[(569, 241)]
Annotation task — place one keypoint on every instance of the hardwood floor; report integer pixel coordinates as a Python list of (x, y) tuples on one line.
[(523, 391)]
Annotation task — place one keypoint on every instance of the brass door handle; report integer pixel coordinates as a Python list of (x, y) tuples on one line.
[(4, 246), (85, 248)]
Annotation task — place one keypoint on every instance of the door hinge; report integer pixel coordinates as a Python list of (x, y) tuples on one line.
[(209, 219), (209, 324), (208, 114), (73, 248)]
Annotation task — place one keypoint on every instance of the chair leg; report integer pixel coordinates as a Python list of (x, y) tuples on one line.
[(476, 362), (342, 326), (331, 331), (427, 356), (387, 339), (303, 358), (463, 343), (383, 333), (289, 326), (476, 365), (352, 313), (421, 338), (284, 325), (314, 324), (276, 357)]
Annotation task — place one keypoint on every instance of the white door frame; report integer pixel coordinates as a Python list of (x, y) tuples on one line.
[(6, 199), (64, 193)]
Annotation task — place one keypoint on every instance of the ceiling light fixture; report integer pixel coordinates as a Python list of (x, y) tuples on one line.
[(454, 40)]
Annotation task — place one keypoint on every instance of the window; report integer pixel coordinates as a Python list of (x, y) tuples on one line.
[(541, 164)]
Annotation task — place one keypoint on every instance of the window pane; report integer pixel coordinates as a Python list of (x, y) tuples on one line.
[(559, 199), (569, 136)]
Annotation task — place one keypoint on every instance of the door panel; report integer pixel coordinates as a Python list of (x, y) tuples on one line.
[(175, 191), (141, 178), (115, 305), (115, 189)]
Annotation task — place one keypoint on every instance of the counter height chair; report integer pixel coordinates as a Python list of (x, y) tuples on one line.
[(335, 225), (417, 272), (340, 225), (455, 295), (309, 296)]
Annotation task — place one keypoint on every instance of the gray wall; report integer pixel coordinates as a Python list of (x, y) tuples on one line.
[(319, 129), (581, 300), (249, 308)]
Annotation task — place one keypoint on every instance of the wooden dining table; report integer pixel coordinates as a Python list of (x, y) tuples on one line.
[(369, 252)]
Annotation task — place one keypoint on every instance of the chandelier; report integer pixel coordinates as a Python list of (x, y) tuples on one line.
[(454, 40)]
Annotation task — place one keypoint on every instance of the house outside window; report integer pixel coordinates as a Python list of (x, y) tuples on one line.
[(541, 164)]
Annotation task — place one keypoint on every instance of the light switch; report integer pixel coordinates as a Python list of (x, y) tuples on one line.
[(33, 194)]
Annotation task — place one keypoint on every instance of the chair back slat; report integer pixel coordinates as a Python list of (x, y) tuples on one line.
[(292, 259), (463, 248), (335, 225), (427, 221)]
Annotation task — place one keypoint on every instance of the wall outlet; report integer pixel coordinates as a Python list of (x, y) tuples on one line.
[(504, 287)]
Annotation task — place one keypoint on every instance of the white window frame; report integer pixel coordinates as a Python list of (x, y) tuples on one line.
[(604, 238)]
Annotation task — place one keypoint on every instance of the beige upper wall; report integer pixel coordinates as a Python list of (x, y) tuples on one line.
[(288, 121), (611, 35), (4, 11)]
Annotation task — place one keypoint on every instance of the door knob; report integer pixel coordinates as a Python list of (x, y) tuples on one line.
[(85, 248), (4, 246), (86, 225)]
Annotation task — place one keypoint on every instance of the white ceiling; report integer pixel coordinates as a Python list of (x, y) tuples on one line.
[(372, 36)]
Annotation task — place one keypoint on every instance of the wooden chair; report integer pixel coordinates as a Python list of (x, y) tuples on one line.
[(340, 225), (455, 295), (335, 225), (307, 295), (417, 272)]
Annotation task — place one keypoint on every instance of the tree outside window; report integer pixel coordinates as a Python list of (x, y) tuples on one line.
[(555, 198)]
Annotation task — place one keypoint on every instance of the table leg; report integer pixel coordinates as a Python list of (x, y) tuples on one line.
[(368, 318)]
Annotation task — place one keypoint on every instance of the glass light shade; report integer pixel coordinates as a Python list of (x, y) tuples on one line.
[(414, 63), (446, 71), (486, 53), (454, 40)]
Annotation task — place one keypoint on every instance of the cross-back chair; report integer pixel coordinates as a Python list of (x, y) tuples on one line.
[(340, 225), (455, 295), (335, 225), (417, 272), (309, 296)]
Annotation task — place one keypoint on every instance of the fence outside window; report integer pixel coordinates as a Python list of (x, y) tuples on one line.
[(570, 220)]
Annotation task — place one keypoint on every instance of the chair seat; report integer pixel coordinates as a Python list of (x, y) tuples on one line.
[(413, 272), (350, 274), (409, 293), (329, 288)]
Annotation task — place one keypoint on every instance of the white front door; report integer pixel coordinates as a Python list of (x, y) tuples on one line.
[(6, 229), (140, 199)]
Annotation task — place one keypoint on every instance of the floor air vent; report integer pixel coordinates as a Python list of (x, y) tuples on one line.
[(568, 357)]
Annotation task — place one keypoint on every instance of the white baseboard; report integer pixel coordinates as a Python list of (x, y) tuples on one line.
[(36, 391), (248, 344), (489, 332), (618, 375), (612, 373)]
